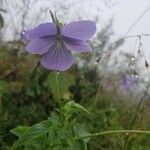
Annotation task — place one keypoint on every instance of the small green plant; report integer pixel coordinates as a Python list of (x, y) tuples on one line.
[(56, 132)]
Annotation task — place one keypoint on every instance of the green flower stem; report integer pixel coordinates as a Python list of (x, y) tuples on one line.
[(1, 106), (85, 145), (113, 132), (57, 87), (58, 95)]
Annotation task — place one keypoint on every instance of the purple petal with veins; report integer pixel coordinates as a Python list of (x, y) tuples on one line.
[(80, 30), (40, 46), (43, 30), (78, 46), (57, 58), (56, 48)]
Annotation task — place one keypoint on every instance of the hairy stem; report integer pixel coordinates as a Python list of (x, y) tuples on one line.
[(113, 132), (57, 87), (85, 145), (58, 95)]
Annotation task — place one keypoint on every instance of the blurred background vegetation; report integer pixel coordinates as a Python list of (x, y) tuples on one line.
[(27, 91)]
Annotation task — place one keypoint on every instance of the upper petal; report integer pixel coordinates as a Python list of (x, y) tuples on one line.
[(40, 46), (81, 30), (57, 58), (45, 29), (76, 45)]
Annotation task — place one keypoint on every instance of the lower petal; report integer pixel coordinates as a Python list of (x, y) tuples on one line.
[(40, 46), (57, 58), (76, 45)]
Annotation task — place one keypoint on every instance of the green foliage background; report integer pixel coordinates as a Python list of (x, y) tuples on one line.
[(29, 114), (28, 96)]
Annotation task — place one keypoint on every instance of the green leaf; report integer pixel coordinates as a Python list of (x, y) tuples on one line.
[(75, 145), (72, 107), (3, 88), (65, 80), (81, 130), (20, 130), (55, 119), (30, 133)]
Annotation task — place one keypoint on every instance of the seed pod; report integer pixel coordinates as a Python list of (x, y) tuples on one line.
[(146, 64)]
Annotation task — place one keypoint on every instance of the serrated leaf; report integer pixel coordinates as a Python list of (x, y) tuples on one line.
[(55, 119), (81, 130), (32, 133), (20, 130)]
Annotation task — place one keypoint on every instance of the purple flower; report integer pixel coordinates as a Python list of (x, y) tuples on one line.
[(128, 82), (55, 45)]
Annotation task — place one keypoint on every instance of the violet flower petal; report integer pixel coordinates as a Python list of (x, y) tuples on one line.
[(128, 82), (78, 46), (57, 58), (40, 46), (42, 30), (81, 30)]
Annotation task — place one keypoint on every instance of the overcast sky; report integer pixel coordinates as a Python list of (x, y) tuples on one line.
[(125, 13)]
